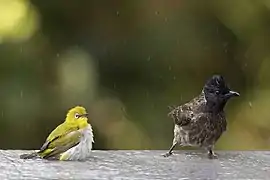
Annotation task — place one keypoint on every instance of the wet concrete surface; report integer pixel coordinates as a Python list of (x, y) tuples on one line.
[(140, 165)]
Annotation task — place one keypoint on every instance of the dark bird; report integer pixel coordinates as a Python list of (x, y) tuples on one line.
[(201, 121)]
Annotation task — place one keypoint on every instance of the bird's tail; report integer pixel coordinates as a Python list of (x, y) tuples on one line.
[(171, 108), (29, 156)]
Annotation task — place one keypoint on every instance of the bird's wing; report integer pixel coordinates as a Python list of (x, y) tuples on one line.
[(181, 115), (60, 140), (202, 119), (184, 114), (61, 130)]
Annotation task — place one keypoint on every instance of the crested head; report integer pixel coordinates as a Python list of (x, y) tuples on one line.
[(217, 92), (77, 115), (216, 82)]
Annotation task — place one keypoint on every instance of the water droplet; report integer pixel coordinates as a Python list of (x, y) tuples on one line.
[(166, 19), (117, 13), (149, 58), (114, 85), (170, 68), (21, 93), (250, 104), (123, 109), (57, 55), (21, 49), (174, 77)]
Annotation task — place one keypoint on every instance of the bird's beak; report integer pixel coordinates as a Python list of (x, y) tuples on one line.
[(232, 94), (84, 115)]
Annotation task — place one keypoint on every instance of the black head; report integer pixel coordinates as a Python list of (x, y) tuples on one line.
[(217, 93)]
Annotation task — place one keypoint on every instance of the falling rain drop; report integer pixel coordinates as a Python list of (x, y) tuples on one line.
[(124, 112), (250, 104), (166, 19), (114, 85), (21, 49), (149, 58), (157, 12), (57, 55), (117, 13), (174, 77), (2, 113), (21, 93), (170, 68)]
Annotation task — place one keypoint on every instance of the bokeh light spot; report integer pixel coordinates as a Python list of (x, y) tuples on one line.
[(19, 20)]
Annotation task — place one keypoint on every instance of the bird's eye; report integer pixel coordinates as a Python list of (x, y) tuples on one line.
[(77, 115)]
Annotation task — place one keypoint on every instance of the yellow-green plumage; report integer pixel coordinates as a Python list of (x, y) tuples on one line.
[(62, 138), (70, 140)]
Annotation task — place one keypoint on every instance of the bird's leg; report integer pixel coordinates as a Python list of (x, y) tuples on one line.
[(170, 150), (211, 154)]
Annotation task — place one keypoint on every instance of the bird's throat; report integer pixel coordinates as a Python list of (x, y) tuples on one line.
[(83, 124), (215, 106)]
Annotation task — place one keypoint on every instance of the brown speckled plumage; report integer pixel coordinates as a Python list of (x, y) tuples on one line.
[(202, 121)]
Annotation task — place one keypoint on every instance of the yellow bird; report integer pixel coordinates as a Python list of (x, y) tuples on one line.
[(71, 140)]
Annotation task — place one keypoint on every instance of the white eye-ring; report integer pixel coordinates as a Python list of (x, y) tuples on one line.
[(77, 115)]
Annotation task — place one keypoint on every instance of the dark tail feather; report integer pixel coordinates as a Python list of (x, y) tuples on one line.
[(29, 156)]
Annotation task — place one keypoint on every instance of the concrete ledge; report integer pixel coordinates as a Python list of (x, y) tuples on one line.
[(141, 165)]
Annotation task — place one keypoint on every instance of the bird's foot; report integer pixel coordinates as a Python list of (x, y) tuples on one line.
[(167, 154), (212, 156)]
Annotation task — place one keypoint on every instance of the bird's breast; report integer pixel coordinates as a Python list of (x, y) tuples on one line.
[(201, 134), (82, 150)]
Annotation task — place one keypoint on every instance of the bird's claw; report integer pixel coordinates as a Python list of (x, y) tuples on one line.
[(212, 156), (167, 154)]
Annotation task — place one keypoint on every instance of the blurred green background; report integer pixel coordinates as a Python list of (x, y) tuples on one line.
[(126, 61)]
